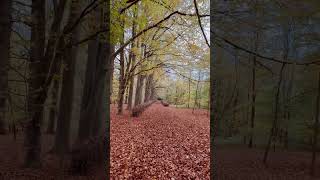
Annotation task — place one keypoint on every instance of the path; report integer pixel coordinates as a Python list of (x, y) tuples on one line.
[(163, 143)]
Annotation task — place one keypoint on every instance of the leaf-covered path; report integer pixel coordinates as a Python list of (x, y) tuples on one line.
[(163, 143)]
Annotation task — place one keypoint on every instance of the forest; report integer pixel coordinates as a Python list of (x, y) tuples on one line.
[(160, 92), (159, 89), (93, 85), (265, 89)]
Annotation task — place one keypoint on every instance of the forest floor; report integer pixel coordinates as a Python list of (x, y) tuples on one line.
[(162, 143), (11, 162), (241, 163)]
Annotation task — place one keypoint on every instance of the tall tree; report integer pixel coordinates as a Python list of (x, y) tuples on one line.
[(148, 88), (213, 94), (62, 138), (138, 95), (122, 80), (253, 91), (95, 99), (132, 57), (40, 83), (53, 108), (5, 32), (95, 106), (274, 128), (315, 131), (33, 133)]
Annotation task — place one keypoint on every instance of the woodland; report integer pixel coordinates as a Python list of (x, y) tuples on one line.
[(96, 85), (124, 89), (265, 89)]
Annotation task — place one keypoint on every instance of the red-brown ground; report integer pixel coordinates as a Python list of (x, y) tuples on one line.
[(163, 143), (240, 163)]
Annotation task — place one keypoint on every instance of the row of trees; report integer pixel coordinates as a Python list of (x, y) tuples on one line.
[(61, 60), (152, 62), (40, 63)]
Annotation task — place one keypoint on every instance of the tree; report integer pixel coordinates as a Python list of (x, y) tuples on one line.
[(95, 99), (122, 79), (53, 109), (5, 33), (69, 57), (33, 133), (148, 88), (315, 132)]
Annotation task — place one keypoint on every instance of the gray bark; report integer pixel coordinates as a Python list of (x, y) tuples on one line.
[(148, 88), (133, 61), (138, 96)]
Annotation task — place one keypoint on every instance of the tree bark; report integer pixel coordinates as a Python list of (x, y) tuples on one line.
[(5, 33), (153, 91), (122, 80), (197, 87), (138, 97), (213, 95), (97, 87), (62, 138), (315, 132), (274, 129), (32, 137), (33, 125), (189, 89), (53, 109), (148, 88), (253, 94), (95, 107), (133, 61)]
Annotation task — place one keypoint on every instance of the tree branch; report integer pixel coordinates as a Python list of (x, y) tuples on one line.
[(199, 21)]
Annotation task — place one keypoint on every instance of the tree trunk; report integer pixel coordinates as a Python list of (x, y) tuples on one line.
[(153, 91), (289, 81), (97, 89), (122, 86), (112, 50), (274, 129), (95, 106), (213, 96), (126, 95), (189, 90), (53, 109), (33, 125), (253, 94), (138, 97), (62, 138), (288, 109), (5, 32), (133, 62), (236, 99), (130, 93), (32, 137), (148, 88), (196, 97), (315, 131)]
